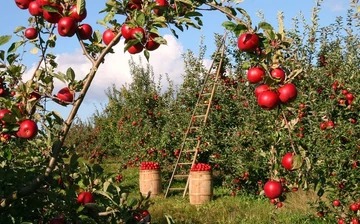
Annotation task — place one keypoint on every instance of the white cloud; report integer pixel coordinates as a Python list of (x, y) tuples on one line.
[(115, 70)]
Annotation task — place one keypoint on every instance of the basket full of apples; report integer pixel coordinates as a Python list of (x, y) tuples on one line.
[(200, 184), (150, 178)]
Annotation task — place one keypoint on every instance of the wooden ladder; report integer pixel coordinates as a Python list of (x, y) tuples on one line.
[(192, 138)]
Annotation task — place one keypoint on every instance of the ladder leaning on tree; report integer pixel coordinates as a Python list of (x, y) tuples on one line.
[(192, 138)]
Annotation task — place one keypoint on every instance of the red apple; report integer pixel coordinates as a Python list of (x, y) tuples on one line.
[(67, 27), (151, 44), (85, 197), (3, 113), (35, 9), (261, 88), (255, 74), (134, 6), (160, 7), (23, 4), (85, 31), (287, 93), (273, 189), (287, 161), (138, 32), (126, 31), (134, 49), (65, 95), (248, 42), (108, 36), (27, 129), (268, 100), (75, 14), (278, 74), (53, 17), (31, 33), (47, 2)]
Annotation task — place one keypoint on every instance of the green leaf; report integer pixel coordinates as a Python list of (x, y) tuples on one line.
[(70, 74), (4, 39), (229, 25), (266, 27), (19, 28), (2, 55), (15, 46), (147, 55), (140, 19), (245, 14), (50, 8), (80, 6), (297, 162)]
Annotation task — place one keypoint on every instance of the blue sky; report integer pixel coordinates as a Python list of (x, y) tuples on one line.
[(167, 60)]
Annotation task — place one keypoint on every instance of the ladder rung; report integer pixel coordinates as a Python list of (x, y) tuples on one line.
[(176, 188), (205, 94), (196, 116), (190, 150), (181, 176)]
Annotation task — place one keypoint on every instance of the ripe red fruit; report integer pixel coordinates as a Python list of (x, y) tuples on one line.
[(323, 125), (279, 204), (261, 88), (278, 74), (3, 113), (151, 44), (67, 27), (354, 221), (287, 93), (31, 33), (23, 4), (85, 197), (255, 74), (85, 31), (273, 189), (53, 17), (330, 124), (108, 36), (35, 9), (349, 97), (126, 31), (336, 203), (28, 129), (75, 14), (248, 42), (138, 32), (134, 49), (161, 6), (268, 100), (287, 161), (354, 207), (65, 95)]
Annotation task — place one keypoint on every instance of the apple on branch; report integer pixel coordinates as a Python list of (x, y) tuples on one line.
[(64, 96)]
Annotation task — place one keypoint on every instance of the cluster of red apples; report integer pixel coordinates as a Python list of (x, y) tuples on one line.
[(16, 122), (67, 18), (268, 97), (201, 167), (149, 165), (142, 39)]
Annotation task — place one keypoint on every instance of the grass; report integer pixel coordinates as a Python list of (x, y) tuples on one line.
[(224, 209)]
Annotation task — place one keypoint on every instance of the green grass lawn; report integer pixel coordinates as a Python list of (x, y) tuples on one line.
[(224, 208)]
